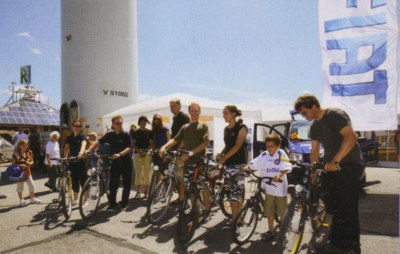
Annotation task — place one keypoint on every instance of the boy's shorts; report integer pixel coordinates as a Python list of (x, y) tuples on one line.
[(271, 202)]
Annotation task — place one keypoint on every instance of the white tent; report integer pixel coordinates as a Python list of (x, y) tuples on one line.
[(211, 113)]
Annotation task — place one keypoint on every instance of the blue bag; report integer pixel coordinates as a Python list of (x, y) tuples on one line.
[(15, 173)]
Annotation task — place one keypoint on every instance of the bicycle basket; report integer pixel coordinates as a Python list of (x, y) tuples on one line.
[(15, 173)]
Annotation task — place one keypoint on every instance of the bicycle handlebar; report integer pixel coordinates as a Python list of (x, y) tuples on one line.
[(69, 159), (262, 178), (317, 167)]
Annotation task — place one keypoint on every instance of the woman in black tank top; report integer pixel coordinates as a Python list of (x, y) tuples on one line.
[(233, 156)]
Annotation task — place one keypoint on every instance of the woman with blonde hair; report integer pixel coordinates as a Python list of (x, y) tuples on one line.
[(22, 158)]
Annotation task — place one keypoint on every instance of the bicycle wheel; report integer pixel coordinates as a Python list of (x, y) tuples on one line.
[(159, 201), (155, 177), (292, 226), (319, 216), (66, 197), (188, 218), (224, 203), (89, 198), (59, 184), (244, 224)]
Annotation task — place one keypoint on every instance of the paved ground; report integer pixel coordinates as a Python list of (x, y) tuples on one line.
[(42, 229)]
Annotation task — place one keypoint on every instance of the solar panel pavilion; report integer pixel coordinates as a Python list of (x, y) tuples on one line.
[(27, 111)]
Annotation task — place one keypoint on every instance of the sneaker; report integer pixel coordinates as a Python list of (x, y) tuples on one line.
[(48, 185), (112, 207), (123, 205), (35, 201), (204, 216), (74, 202), (23, 202), (267, 236)]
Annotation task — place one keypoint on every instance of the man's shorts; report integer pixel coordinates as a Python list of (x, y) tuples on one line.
[(234, 182), (179, 169), (271, 202)]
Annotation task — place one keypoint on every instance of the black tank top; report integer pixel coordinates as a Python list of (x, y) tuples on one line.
[(230, 137)]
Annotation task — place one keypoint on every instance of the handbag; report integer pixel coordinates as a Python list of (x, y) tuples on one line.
[(15, 173)]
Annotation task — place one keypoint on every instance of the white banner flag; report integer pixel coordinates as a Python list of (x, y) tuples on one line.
[(359, 60)]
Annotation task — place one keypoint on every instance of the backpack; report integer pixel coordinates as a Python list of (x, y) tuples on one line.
[(15, 174)]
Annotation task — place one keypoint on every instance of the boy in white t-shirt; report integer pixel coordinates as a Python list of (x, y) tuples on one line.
[(273, 163)]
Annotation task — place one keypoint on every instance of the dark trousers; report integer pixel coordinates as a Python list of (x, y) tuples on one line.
[(37, 158), (53, 174), (342, 189), (78, 175), (120, 169)]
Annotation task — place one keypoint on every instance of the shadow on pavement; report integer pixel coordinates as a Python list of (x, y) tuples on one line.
[(51, 217), (379, 214)]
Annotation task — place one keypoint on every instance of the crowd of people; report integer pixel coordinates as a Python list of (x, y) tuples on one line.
[(132, 161)]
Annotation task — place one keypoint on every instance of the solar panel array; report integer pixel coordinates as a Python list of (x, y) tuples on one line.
[(29, 113)]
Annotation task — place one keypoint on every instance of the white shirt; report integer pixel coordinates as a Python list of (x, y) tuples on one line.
[(271, 166), (53, 150)]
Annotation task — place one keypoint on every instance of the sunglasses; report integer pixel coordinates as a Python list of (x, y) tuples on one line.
[(78, 126)]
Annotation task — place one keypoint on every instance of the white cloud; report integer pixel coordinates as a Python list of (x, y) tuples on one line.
[(44, 99), (36, 51), (24, 34), (217, 88)]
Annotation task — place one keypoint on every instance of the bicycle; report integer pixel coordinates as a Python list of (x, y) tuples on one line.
[(245, 221), (64, 183), (307, 202), (192, 205), (160, 197), (95, 187), (225, 189), (159, 166)]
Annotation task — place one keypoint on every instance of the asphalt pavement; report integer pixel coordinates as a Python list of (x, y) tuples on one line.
[(41, 228)]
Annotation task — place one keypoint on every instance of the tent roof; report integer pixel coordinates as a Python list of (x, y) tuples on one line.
[(162, 102)]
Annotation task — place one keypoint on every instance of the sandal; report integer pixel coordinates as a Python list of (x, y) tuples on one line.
[(137, 195), (176, 202), (267, 236)]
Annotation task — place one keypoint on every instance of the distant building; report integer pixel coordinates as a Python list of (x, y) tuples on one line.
[(24, 109)]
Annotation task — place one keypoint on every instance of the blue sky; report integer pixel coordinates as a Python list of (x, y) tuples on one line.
[(231, 50)]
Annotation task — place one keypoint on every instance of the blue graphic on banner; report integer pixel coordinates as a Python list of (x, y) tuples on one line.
[(378, 87), (343, 23), (351, 45), (374, 3)]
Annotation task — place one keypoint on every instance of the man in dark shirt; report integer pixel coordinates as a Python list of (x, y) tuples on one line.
[(179, 118), (120, 146), (343, 162)]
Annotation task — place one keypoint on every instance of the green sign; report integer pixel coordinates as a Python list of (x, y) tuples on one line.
[(26, 74)]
